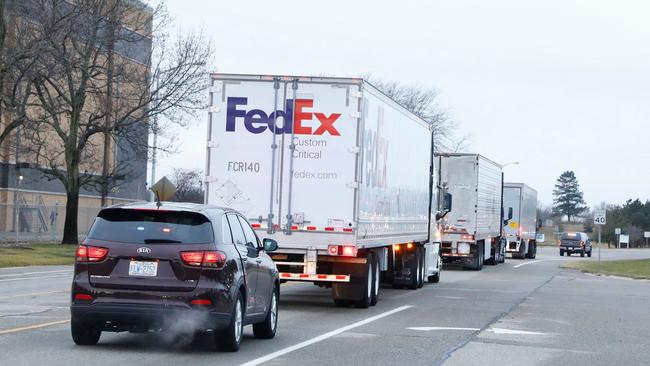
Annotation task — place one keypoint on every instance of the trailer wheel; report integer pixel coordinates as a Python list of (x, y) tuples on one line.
[(423, 270), (502, 251), (376, 279), (416, 271), (364, 303), (435, 278)]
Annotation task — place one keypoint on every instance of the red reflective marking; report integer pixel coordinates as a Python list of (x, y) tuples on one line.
[(338, 277), (322, 277), (256, 226), (347, 229), (286, 275), (294, 227), (329, 229), (311, 227), (304, 276)]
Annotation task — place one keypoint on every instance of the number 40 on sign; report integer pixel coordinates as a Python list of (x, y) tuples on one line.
[(599, 217)]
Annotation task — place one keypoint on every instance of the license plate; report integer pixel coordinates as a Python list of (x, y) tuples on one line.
[(147, 269)]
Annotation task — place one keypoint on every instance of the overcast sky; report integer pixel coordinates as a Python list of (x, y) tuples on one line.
[(555, 85)]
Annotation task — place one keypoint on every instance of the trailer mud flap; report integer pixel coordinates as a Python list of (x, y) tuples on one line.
[(353, 290)]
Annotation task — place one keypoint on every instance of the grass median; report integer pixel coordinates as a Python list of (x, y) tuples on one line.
[(36, 255), (633, 268)]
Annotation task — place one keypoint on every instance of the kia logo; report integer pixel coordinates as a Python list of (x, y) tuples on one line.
[(144, 250)]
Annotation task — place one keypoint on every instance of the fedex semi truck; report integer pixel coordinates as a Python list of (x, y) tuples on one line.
[(521, 229), (340, 175), (472, 231)]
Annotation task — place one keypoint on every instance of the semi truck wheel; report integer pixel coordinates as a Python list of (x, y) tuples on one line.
[(367, 289), (376, 279), (416, 270)]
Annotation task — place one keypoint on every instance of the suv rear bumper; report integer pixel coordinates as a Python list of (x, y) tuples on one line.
[(118, 317)]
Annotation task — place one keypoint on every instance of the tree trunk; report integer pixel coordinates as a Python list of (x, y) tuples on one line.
[(70, 234)]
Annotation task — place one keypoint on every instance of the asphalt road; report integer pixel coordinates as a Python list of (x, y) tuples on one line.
[(522, 312)]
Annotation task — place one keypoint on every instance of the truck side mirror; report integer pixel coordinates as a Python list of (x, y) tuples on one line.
[(446, 202), (509, 213)]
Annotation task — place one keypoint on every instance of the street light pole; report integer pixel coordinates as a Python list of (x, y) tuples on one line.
[(17, 218)]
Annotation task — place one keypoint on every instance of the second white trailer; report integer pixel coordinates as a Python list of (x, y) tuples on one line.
[(471, 232)]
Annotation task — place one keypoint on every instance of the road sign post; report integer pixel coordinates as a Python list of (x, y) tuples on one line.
[(617, 231), (600, 219), (646, 235)]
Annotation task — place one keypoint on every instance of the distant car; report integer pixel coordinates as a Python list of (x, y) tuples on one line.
[(575, 243), (145, 268)]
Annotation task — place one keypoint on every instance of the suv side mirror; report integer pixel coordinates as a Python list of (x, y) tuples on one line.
[(509, 213), (270, 245), (446, 202)]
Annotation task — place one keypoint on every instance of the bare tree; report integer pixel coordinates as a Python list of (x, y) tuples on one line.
[(18, 55), (189, 185), (106, 71), (423, 102)]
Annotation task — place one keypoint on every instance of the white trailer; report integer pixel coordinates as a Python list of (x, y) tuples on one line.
[(336, 172), (521, 229), (471, 232)]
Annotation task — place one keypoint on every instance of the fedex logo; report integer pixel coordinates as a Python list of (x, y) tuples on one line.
[(303, 121)]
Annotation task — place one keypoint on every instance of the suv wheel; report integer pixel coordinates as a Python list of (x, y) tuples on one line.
[(266, 329), (84, 334), (589, 253), (582, 253), (230, 338)]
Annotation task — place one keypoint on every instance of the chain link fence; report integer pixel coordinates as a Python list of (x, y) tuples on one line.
[(37, 222)]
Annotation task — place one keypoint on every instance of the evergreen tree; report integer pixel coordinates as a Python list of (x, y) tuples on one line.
[(568, 199)]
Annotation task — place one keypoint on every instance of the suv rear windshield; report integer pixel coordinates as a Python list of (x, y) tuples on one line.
[(571, 236), (152, 227)]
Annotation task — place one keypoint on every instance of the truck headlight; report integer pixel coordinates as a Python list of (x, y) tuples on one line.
[(463, 248)]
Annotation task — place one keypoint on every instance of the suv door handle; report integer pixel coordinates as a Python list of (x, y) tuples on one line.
[(259, 260)]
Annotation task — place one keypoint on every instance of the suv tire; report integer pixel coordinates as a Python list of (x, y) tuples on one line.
[(267, 328), (229, 339), (84, 334)]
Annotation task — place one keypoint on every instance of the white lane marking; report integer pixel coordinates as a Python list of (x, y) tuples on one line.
[(323, 337), (427, 329), (512, 331), (537, 261), (31, 273), (33, 294), (35, 326), (63, 275)]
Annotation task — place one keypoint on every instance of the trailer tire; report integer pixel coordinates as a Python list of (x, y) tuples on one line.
[(342, 303), (366, 297), (422, 268), (435, 278), (376, 279), (416, 271)]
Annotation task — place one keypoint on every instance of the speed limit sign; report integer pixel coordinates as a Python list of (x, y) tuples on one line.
[(600, 217)]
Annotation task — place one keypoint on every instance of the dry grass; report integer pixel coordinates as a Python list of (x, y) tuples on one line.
[(633, 268), (36, 254)]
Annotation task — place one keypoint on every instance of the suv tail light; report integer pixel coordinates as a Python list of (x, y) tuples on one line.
[(582, 243), (87, 253), (212, 259)]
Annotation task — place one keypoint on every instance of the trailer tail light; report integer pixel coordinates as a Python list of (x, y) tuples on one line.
[(396, 248), (208, 259), (87, 253), (343, 250)]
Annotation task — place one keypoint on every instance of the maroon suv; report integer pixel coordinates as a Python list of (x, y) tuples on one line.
[(146, 268)]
